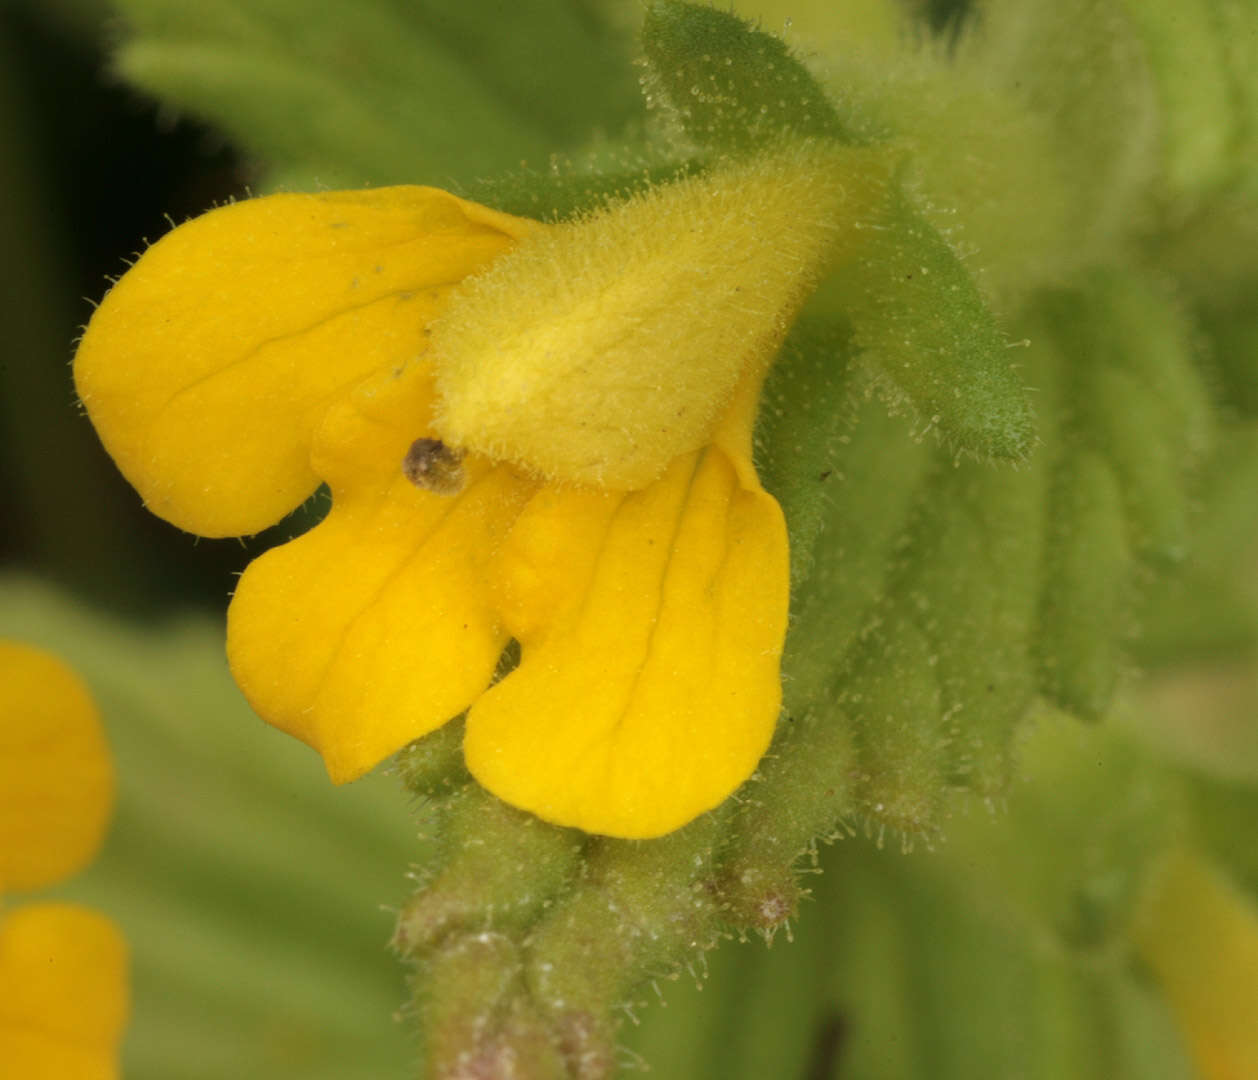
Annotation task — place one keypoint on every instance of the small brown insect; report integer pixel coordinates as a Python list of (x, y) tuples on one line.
[(432, 466)]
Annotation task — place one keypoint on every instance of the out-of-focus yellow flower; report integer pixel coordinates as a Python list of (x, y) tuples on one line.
[(56, 778), (557, 451), (1199, 935), (63, 968)]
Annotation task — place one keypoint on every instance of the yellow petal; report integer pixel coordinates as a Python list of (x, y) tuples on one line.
[(651, 627), (63, 993), (208, 366), (1200, 937), (56, 778), (375, 627)]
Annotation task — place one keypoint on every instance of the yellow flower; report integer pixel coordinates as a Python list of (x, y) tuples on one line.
[(1199, 936), (538, 432), (63, 968)]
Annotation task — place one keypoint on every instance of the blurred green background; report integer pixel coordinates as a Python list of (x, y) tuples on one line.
[(90, 169)]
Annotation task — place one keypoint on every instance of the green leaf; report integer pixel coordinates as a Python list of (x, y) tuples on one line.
[(1184, 43), (806, 407), (1205, 610), (571, 189), (729, 86), (863, 489), (1082, 68), (918, 315), (941, 596), (399, 93), (1224, 812), (1086, 588), (1238, 32), (1133, 372)]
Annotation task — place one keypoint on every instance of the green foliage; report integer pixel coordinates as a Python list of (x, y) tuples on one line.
[(1084, 601), (1224, 811), (814, 371), (900, 965), (485, 849), (1080, 65), (1133, 372), (873, 472), (1193, 85), (570, 188), (729, 86), (1204, 609), (399, 93), (1076, 847), (918, 315)]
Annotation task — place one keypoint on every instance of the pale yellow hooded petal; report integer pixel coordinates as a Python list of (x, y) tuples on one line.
[(600, 350), (208, 366)]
